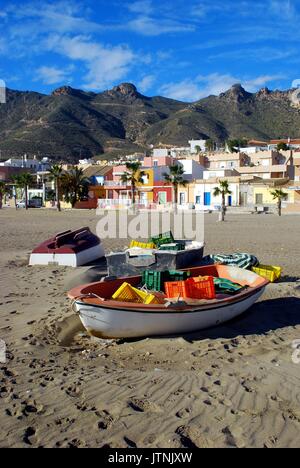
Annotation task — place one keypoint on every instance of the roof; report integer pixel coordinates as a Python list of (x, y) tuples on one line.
[(96, 171), (287, 141), (257, 143)]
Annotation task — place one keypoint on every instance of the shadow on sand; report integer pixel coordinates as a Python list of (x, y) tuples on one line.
[(262, 318)]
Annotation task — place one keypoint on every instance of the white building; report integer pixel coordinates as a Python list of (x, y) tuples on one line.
[(204, 193), (194, 144), (192, 169), (25, 163), (253, 149)]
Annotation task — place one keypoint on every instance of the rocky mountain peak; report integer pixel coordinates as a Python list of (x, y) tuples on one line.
[(237, 93)]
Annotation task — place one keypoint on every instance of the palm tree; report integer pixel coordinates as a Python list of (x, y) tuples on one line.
[(56, 172), (74, 185), (223, 190), (3, 191), (279, 195), (24, 181), (176, 179), (132, 177)]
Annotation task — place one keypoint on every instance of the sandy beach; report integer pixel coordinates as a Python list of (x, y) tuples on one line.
[(231, 386)]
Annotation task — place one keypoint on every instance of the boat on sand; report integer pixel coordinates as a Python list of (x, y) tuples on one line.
[(106, 318), (69, 248)]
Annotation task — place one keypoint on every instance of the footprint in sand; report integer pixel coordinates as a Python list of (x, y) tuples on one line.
[(28, 434), (143, 406), (107, 420)]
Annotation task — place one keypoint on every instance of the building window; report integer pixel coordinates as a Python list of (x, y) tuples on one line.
[(155, 163)]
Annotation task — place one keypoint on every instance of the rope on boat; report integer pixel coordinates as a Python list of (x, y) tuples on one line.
[(81, 297)]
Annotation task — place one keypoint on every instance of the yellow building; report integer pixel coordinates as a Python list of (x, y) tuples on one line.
[(145, 189)]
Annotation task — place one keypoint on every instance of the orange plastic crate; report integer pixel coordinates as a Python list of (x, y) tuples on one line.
[(176, 289), (201, 287)]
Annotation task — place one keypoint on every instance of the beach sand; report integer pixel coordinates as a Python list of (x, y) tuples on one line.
[(231, 386)]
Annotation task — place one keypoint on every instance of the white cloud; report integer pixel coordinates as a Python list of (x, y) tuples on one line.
[(148, 26), (214, 84), (105, 64), (60, 17), (146, 83), (142, 6), (53, 75)]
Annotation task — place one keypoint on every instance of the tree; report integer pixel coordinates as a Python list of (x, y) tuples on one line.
[(176, 179), (198, 149), (279, 195), (56, 172), (24, 181), (74, 185), (282, 147), (223, 190), (209, 145), (235, 145), (3, 191), (132, 177)]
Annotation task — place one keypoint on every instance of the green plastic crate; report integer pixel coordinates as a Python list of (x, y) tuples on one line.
[(176, 246), (154, 280), (161, 239), (178, 275)]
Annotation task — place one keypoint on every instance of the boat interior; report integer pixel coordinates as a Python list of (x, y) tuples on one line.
[(97, 293)]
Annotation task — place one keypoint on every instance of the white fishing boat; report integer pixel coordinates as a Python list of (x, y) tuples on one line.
[(106, 318), (69, 248)]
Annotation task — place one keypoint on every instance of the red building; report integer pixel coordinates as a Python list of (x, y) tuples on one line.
[(6, 172), (162, 193)]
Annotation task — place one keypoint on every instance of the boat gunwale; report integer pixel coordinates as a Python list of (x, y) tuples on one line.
[(158, 309), (90, 301)]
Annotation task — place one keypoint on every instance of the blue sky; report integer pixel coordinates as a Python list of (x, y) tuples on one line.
[(183, 49)]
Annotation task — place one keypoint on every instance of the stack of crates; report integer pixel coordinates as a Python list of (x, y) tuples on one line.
[(155, 280), (127, 293), (161, 239), (176, 246), (193, 288), (176, 289), (202, 287)]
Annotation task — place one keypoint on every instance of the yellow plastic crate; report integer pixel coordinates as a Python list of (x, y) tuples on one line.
[(271, 273), (142, 245), (127, 293)]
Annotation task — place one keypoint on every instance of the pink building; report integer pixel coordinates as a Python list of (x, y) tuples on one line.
[(152, 161)]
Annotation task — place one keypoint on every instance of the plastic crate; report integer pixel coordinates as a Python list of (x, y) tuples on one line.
[(154, 280), (201, 288), (142, 245), (176, 246), (271, 273), (161, 239), (174, 275), (127, 293), (176, 289)]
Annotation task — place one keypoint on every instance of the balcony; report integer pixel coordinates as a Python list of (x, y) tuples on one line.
[(112, 184), (282, 168)]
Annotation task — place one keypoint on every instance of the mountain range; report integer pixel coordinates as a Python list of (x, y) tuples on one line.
[(71, 124)]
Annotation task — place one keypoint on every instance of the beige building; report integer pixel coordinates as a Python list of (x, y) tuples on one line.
[(262, 164)]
